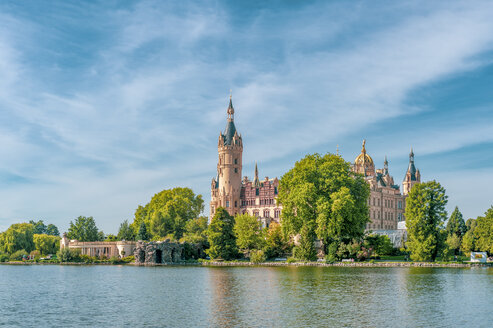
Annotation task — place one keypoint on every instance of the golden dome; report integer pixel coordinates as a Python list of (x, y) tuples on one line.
[(363, 158)]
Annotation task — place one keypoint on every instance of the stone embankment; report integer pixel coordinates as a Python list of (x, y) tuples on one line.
[(351, 264)]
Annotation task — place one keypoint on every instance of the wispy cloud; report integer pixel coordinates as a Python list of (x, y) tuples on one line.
[(104, 106)]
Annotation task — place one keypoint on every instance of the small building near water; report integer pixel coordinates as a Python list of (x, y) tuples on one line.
[(101, 249)]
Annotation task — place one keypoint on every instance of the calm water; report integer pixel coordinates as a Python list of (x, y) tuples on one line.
[(116, 296)]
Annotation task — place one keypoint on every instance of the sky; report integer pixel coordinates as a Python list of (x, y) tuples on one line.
[(103, 104)]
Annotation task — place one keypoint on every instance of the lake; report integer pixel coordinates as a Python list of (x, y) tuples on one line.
[(179, 296)]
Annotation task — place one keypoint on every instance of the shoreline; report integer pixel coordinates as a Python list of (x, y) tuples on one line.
[(280, 264)]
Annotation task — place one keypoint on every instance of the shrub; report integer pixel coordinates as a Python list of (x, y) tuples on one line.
[(330, 258), (257, 256), (4, 257), (69, 255), (19, 255), (291, 260), (128, 259), (115, 260)]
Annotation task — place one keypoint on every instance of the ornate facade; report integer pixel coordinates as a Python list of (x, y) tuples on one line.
[(235, 194), (258, 197), (386, 203)]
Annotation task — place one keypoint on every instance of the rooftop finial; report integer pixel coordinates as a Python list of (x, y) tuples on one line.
[(231, 110), (363, 149)]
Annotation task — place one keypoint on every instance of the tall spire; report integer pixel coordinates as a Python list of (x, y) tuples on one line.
[(230, 126), (363, 149), (386, 166), (231, 110), (256, 180)]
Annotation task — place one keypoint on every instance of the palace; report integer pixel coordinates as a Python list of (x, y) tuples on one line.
[(258, 197), (386, 203), (237, 195)]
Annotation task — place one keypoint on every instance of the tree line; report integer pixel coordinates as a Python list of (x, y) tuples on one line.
[(323, 202)]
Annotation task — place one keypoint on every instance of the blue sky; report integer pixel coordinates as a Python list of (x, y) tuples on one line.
[(103, 104)]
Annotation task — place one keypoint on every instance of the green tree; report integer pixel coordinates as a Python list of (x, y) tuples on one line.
[(276, 244), (222, 239), (168, 212), (425, 215), (323, 193), (196, 231), (84, 229), (18, 236), (52, 230), (142, 234), (125, 232), (38, 227), (456, 224), (46, 244), (306, 248), (249, 233), (452, 244), (379, 244), (484, 232)]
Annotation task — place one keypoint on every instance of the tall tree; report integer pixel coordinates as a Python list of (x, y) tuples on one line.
[(17, 237), (425, 215), (52, 230), (125, 232), (84, 229), (249, 233), (38, 227), (168, 212), (222, 239), (322, 194), (484, 232), (456, 224), (142, 234)]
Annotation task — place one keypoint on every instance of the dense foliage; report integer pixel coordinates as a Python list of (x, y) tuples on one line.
[(168, 212), (142, 233), (125, 232), (322, 198), (196, 232), (18, 236), (220, 234), (40, 228), (249, 233), (84, 229), (46, 244), (276, 243), (425, 215)]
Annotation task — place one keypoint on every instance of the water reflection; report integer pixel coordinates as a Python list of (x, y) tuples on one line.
[(245, 297)]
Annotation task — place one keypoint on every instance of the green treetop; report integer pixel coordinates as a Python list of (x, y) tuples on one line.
[(84, 229), (425, 215), (142, 234), (323, 196), (17, 237), (456, 224), (168, 212), (125, 232)]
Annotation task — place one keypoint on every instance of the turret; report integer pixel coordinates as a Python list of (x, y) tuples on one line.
[(226, 190), (412, 176)]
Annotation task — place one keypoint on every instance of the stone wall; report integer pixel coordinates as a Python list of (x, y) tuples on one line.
[(156, 252)]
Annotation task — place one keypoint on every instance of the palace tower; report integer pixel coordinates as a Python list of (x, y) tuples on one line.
[(412, 175), (226, 187)]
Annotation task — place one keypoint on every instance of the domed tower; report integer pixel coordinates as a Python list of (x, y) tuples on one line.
[(226, 187), (412, 175), (363, 164)]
